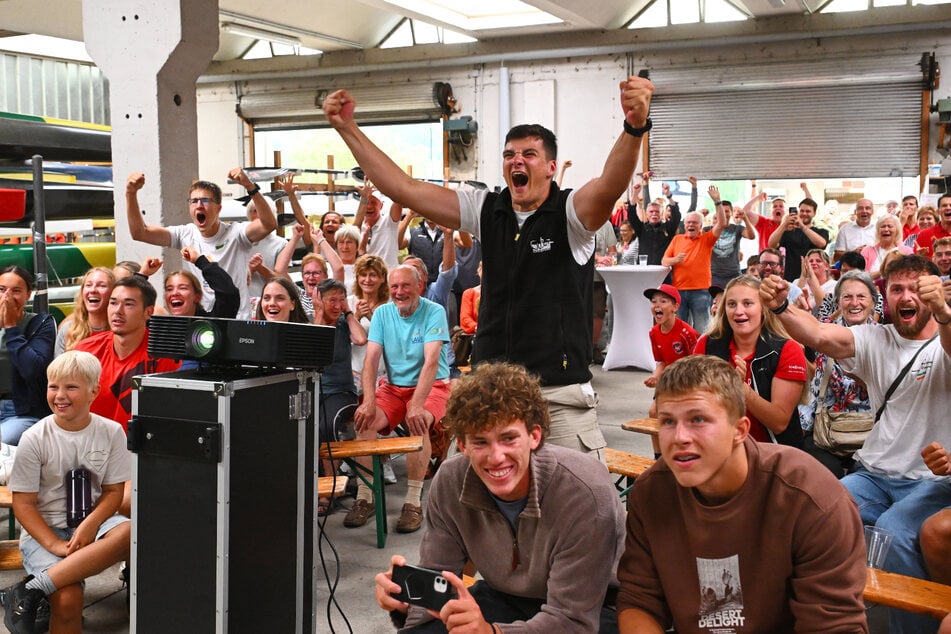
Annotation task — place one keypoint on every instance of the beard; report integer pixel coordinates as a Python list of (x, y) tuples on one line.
[(914, 328)]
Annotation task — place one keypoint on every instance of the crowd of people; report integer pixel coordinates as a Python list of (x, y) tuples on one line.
[(751, 517)]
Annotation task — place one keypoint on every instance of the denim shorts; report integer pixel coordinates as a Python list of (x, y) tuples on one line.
[(37, 559)]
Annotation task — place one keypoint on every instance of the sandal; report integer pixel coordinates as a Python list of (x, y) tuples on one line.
[(324, 507)]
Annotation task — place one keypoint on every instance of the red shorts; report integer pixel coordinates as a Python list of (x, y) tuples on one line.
[(392, 400)]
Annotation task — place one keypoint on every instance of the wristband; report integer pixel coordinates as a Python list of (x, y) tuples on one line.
[(347, 313), (638, 132), (254, 190), (781, 308), (943, 323), (321, 241)]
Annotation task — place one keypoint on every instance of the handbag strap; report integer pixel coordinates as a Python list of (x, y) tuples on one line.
[(901, 375), (827, 369)]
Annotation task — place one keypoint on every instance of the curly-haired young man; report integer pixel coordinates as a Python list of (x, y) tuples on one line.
[(542, 524)]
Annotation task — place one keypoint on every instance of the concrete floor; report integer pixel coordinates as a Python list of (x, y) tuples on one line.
[(352, 555)]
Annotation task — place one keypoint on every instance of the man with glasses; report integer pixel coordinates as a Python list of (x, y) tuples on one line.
[(771, 262), (229, 244), (797, 236)]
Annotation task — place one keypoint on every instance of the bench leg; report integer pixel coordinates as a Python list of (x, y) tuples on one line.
[(379, 502), (374, 479)]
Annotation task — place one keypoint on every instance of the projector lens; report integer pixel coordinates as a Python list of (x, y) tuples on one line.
[(204, 338)]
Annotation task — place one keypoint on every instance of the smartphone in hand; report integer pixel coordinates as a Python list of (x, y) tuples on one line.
[(423, 587)]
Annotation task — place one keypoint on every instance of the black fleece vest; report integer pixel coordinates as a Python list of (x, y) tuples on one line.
[(764, 364), (536, 306)]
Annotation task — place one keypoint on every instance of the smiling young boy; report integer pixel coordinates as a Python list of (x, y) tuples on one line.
[(56, 556), (729, 535), (671, 337), (542, 524)]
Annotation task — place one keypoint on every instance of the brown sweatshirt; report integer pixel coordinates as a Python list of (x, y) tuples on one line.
[(785, 554)]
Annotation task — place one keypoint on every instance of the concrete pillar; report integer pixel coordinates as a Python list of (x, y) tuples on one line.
[(152, 51)]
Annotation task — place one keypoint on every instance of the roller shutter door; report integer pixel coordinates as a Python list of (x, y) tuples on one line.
[(271, 109), (824, 119)]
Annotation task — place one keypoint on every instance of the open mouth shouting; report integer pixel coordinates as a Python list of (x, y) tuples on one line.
[(519, 179)]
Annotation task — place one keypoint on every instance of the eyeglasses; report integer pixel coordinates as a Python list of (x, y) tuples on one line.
[(203, 200), (310, 273), (768, 264)]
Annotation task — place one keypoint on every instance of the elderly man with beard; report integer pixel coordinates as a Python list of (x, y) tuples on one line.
[(893, 487), (689, 254), (409, 332), (538, 243)]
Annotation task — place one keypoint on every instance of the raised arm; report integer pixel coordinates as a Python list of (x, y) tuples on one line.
[(402, 230), (322, 247), (931, 292), (140, 231), (595, 200), (291, 188), (282, 263), (748, 208), (227, 296), (561, 172), (831, 339), (720, 219), (434, 202), (693, 193), (266, 222)]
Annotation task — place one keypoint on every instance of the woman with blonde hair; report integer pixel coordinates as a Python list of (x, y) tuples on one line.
[(889, 239), (369, 291), (773, 367), (90, 314)]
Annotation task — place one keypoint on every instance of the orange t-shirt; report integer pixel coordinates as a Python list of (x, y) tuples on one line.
[(694, 272)]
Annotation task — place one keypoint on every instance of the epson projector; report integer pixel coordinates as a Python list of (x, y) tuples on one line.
[(235, 342)]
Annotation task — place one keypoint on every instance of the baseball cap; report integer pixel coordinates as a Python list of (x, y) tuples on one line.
[(715, 290), (667, 289)]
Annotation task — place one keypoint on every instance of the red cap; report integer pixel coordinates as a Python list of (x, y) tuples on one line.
[(667, 289)]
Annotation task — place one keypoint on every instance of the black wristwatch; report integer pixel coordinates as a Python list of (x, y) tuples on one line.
[(347, 313), (638, 132), (254, 190)]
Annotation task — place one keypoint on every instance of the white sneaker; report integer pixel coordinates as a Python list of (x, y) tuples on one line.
[(344, 468), (388, 476)]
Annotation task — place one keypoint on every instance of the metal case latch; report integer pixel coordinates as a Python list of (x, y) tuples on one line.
[(299, 405)]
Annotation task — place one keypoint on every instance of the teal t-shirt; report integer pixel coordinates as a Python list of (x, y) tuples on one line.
[(404, 338)]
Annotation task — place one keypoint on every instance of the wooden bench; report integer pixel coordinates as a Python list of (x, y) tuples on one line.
[(9, 548), (350, 450), (648, 426), (908, 593), (626, 465), (6, 502), (330, 486)]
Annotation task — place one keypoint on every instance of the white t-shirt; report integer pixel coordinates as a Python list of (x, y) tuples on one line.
[(230, 248), (917, 411), (270, 248), (851, 237), (383, 241), (47, 452), (580, 240)]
